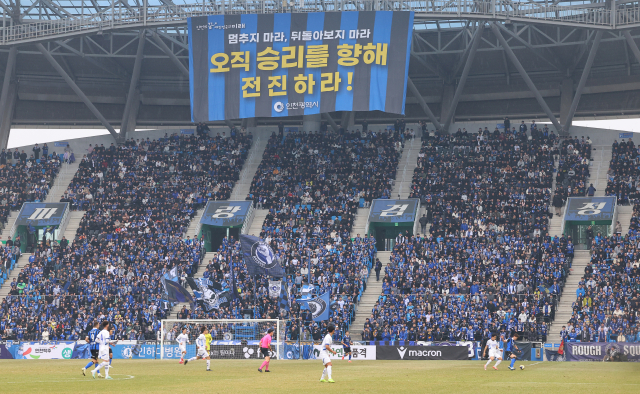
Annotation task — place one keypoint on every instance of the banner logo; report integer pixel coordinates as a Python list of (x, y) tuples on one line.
[(317, 306), (42, 213), (263, 255), (401, 352), (278, 107)]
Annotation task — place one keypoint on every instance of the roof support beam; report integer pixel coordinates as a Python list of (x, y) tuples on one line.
[(77, 90), (133, 86), (170, 53), (332, 122), (583, 80), (463, 77), (632, 44), (7, 100), (525, 76), (423, 104)]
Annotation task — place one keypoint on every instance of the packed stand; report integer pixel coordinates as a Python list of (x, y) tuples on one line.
[(623, 176), (573, 168), (25, 178), (139, 199), (607, 305), (312, 183), (488, 264)]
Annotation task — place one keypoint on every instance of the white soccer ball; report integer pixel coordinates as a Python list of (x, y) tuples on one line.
[(522, 367)]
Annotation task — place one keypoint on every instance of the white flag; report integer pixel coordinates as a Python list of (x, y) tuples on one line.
[(274, 288)]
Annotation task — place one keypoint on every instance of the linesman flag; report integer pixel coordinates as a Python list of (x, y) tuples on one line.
[(259, 257)]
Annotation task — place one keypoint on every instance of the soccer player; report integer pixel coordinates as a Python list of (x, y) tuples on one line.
[(324, 354), (265, 348), (183, 339), (510, 350), (103, 340), (208, 338), (202, 350), (494, 352), (93, 346), (346, 345)]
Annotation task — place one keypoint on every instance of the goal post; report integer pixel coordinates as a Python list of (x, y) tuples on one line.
[(230, 338)]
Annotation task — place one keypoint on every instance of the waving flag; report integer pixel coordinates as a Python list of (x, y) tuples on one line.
[(259, 257), (283, 302), (177, 293), (319, 306), (274, 288), (209, 294)]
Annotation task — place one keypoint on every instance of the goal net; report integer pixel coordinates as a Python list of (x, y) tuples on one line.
[(230, 339)]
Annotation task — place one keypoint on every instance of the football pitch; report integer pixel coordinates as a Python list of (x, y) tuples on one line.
[(241, 376)]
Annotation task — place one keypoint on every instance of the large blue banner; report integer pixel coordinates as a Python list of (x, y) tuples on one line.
[(39, 214), (225, 213), (393, 211), (292, 64), (590, 208)]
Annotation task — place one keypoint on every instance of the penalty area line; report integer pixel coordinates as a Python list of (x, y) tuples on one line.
[(127, 377)]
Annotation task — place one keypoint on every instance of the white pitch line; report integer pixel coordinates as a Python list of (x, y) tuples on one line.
[(128, 377)]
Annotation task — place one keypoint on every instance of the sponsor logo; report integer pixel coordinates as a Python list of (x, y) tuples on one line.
[(586, 350), (401, 352), (278, 106), (66, 353), (126, 352), (263, 255), (248, 352)]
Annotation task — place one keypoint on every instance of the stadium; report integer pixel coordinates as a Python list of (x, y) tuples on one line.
[(390, 196)]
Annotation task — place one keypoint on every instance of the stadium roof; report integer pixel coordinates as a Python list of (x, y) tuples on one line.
[(95, 43)]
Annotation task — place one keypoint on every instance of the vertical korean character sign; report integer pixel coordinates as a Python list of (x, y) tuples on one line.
[(275, 65)]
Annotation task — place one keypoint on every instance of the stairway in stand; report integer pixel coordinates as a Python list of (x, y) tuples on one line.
[(369, 297), (20, 264), (406, 166), (564, 310)]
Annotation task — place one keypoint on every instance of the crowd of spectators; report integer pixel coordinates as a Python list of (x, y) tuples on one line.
[(488, 263), (312, 184), (573, 168), (25, 179), (623, 176), (139, 198), (607, 306)]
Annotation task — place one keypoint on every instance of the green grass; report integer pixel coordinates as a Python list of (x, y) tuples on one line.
[(240, 376)]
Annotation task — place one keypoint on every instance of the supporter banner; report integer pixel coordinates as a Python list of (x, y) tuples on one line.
[(43, 351), (393, 211), (225, 213), (292, 64), (590, 208), (40, 214), (602, 351), (553, 355), (5, 353), (358, 352), (422, 353)]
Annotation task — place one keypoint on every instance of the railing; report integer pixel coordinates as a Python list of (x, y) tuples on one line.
[(119, 16)]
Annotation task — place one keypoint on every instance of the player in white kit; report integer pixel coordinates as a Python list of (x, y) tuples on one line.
[(183, 339), (202, 353), (324, 355), (103, 339), (494, 352)]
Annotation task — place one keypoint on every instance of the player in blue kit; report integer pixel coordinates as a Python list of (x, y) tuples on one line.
[(511, 350), (93, 346), (346, 346)]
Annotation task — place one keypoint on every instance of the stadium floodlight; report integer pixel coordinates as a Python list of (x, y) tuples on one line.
[(230, 338)]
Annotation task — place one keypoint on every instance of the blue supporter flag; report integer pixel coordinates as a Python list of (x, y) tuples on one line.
[(319, 306), (259, 257), (177, 293), (283, 302)]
